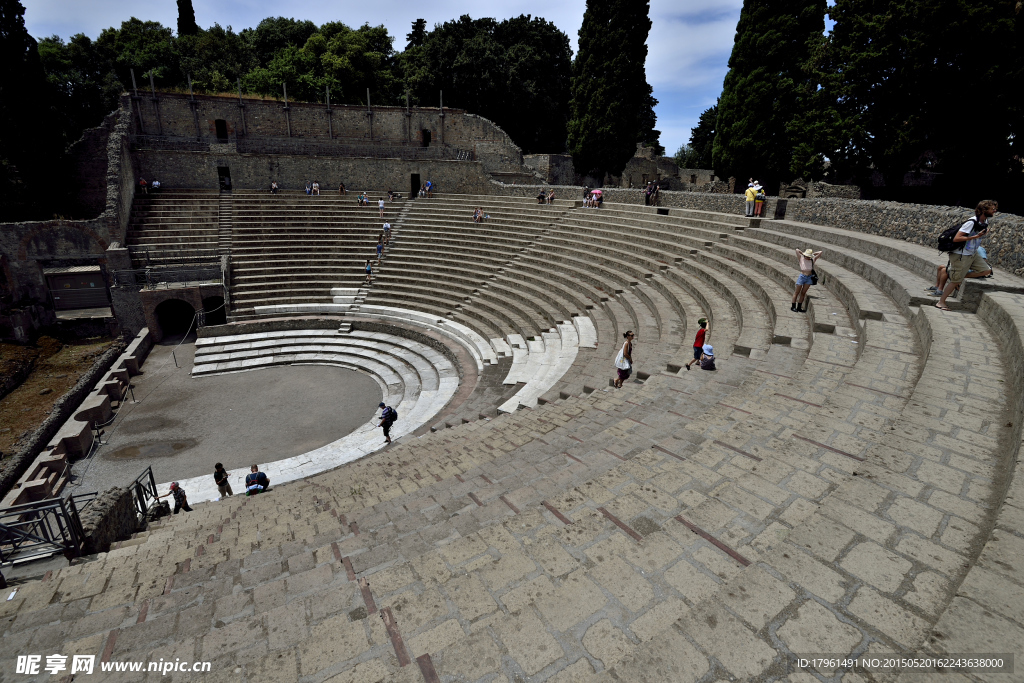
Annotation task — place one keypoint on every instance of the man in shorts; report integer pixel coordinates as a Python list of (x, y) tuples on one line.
[(965, 258), (387, 418)]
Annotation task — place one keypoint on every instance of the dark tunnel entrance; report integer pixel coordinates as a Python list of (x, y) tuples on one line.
[(214, 311), (175, 318)]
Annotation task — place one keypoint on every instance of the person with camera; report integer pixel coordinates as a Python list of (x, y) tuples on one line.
[(965, 257)]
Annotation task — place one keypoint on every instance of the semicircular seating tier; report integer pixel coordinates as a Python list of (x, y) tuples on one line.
[(844, 482)]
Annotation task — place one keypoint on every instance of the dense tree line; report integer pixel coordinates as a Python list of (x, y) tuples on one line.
[(518, 72), (895, 87)]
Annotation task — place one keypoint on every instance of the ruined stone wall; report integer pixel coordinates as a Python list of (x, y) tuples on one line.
[(917, 223), (557, 169), (109, 517), (87, 163), (176, 116), (31, 245), (256, 171)]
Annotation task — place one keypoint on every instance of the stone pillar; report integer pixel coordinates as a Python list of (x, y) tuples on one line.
[(137, 104), (287, 109), (156, 105), (369, 114), (241, 106), (442, 117), (195, 109), (330, 126)]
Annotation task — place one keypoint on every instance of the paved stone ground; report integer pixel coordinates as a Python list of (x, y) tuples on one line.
[(183, 425), (852, 495)]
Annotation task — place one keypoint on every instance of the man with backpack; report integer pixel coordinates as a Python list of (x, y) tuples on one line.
[(964, 256), (256, 482), (388, 415)]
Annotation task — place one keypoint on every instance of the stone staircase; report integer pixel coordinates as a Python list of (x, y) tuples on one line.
[(843, 484)]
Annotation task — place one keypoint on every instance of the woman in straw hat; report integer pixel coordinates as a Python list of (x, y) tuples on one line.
[(806, 258)]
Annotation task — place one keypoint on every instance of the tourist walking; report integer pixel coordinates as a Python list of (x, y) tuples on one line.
[(387, 233), (624, 361), (256, 481), (180, 499), (806, 260), (144, 186), (380, 206), (369, 272), (220, 477), (750, 194), (699, 341), (380, 247), (966, 257), (341, 189), (388, 415)]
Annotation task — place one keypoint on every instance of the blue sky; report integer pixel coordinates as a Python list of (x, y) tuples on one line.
[(688, 47)]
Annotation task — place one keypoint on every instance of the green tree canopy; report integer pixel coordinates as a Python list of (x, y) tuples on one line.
[(612, 106), (926, 85), (514, 72), (761, 95), (337, 57)]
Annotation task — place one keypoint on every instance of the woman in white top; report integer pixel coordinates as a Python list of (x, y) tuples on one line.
[(380, 205), (624, 361)]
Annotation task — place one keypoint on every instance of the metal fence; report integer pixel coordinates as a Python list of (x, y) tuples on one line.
[(40, 529), (144, 490), (155, 278)]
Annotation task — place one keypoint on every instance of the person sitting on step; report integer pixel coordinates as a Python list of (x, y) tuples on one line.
[(256, 481), (707, 358)]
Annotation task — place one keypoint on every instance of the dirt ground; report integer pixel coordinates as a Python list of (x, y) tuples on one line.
[(58, 367)]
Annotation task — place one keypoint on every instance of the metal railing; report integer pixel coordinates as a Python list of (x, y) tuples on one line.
[(177, 256), (154, 278), (40, 529), (144, 490)]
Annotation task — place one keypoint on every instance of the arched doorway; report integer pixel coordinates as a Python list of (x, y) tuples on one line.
[(214, 311), (175, 318)]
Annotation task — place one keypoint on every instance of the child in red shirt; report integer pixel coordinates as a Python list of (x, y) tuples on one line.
[(698, 342)]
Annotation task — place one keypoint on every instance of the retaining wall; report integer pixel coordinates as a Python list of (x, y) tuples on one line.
[(917, 223), (256, 171)]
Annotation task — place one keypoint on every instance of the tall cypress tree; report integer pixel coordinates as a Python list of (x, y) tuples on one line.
[(187, 25), (612, 107), (761, 94), (26, 151)]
